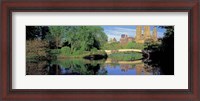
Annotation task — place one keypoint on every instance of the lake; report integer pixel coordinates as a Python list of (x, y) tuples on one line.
[(90, 67)]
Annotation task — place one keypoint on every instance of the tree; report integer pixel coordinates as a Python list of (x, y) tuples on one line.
[(168, 39), (56, 34), (148, 42), (163, 54), (85, 38), (167, 50), (36, 32)]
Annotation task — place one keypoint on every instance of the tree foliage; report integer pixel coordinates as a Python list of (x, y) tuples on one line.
[(77, 38), (36, 32), (168, 39), (56, 34), (84, 38)]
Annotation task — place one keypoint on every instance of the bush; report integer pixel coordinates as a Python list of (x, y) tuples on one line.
[(133, 45), (78, 52), (65, 50), (94, 50), (55, 51), (112, 46)]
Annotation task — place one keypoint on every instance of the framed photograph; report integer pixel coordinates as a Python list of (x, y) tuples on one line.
[(100, 50)]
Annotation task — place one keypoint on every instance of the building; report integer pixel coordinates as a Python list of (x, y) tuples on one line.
[(112, 40), (130, 39), (144, 35), (125, 39)]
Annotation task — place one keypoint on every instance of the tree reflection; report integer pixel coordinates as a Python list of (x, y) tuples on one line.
[(87, 67), (77, 67), (36, 68)]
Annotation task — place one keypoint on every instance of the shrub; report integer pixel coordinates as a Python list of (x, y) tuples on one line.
[(65, 50), (134, 45), (94, 49), (55, 51)]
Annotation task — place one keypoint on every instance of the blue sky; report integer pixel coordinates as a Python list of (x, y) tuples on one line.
[(116, 31)]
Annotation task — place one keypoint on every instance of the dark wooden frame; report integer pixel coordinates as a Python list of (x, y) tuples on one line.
[(190, 6)]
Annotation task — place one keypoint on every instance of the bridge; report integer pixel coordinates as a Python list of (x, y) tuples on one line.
[(123, 50)]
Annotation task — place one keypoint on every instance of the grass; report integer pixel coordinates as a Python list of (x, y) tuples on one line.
[(117, 45), (126, 56), (77, 54)]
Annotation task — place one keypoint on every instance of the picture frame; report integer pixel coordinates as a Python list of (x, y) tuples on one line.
[(190, 6)]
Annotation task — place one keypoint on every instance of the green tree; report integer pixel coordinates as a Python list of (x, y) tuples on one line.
[(85, 38), (56, 34)]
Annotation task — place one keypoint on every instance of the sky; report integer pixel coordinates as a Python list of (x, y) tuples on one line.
[(116, 31)]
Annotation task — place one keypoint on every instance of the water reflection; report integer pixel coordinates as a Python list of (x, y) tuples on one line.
[(36, 68), (88, 67)]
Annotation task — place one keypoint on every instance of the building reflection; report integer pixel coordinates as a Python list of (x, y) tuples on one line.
[(141, 69), (125, 67)]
